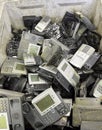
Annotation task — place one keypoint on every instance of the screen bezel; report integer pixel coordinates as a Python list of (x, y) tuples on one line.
[(37, 46), (41, 81), (54, 97), (19, 71), (26, 58)]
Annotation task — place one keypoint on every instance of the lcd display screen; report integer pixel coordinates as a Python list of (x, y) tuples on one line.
[(20, 67), (34, 78), (45, 103), (3, 122)]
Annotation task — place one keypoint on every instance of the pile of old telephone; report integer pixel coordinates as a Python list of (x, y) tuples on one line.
[(52, 76)]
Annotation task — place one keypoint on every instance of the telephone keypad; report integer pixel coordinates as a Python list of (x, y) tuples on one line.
[(3, 105)]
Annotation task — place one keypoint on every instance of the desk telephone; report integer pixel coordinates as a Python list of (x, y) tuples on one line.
[(11, 114)]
